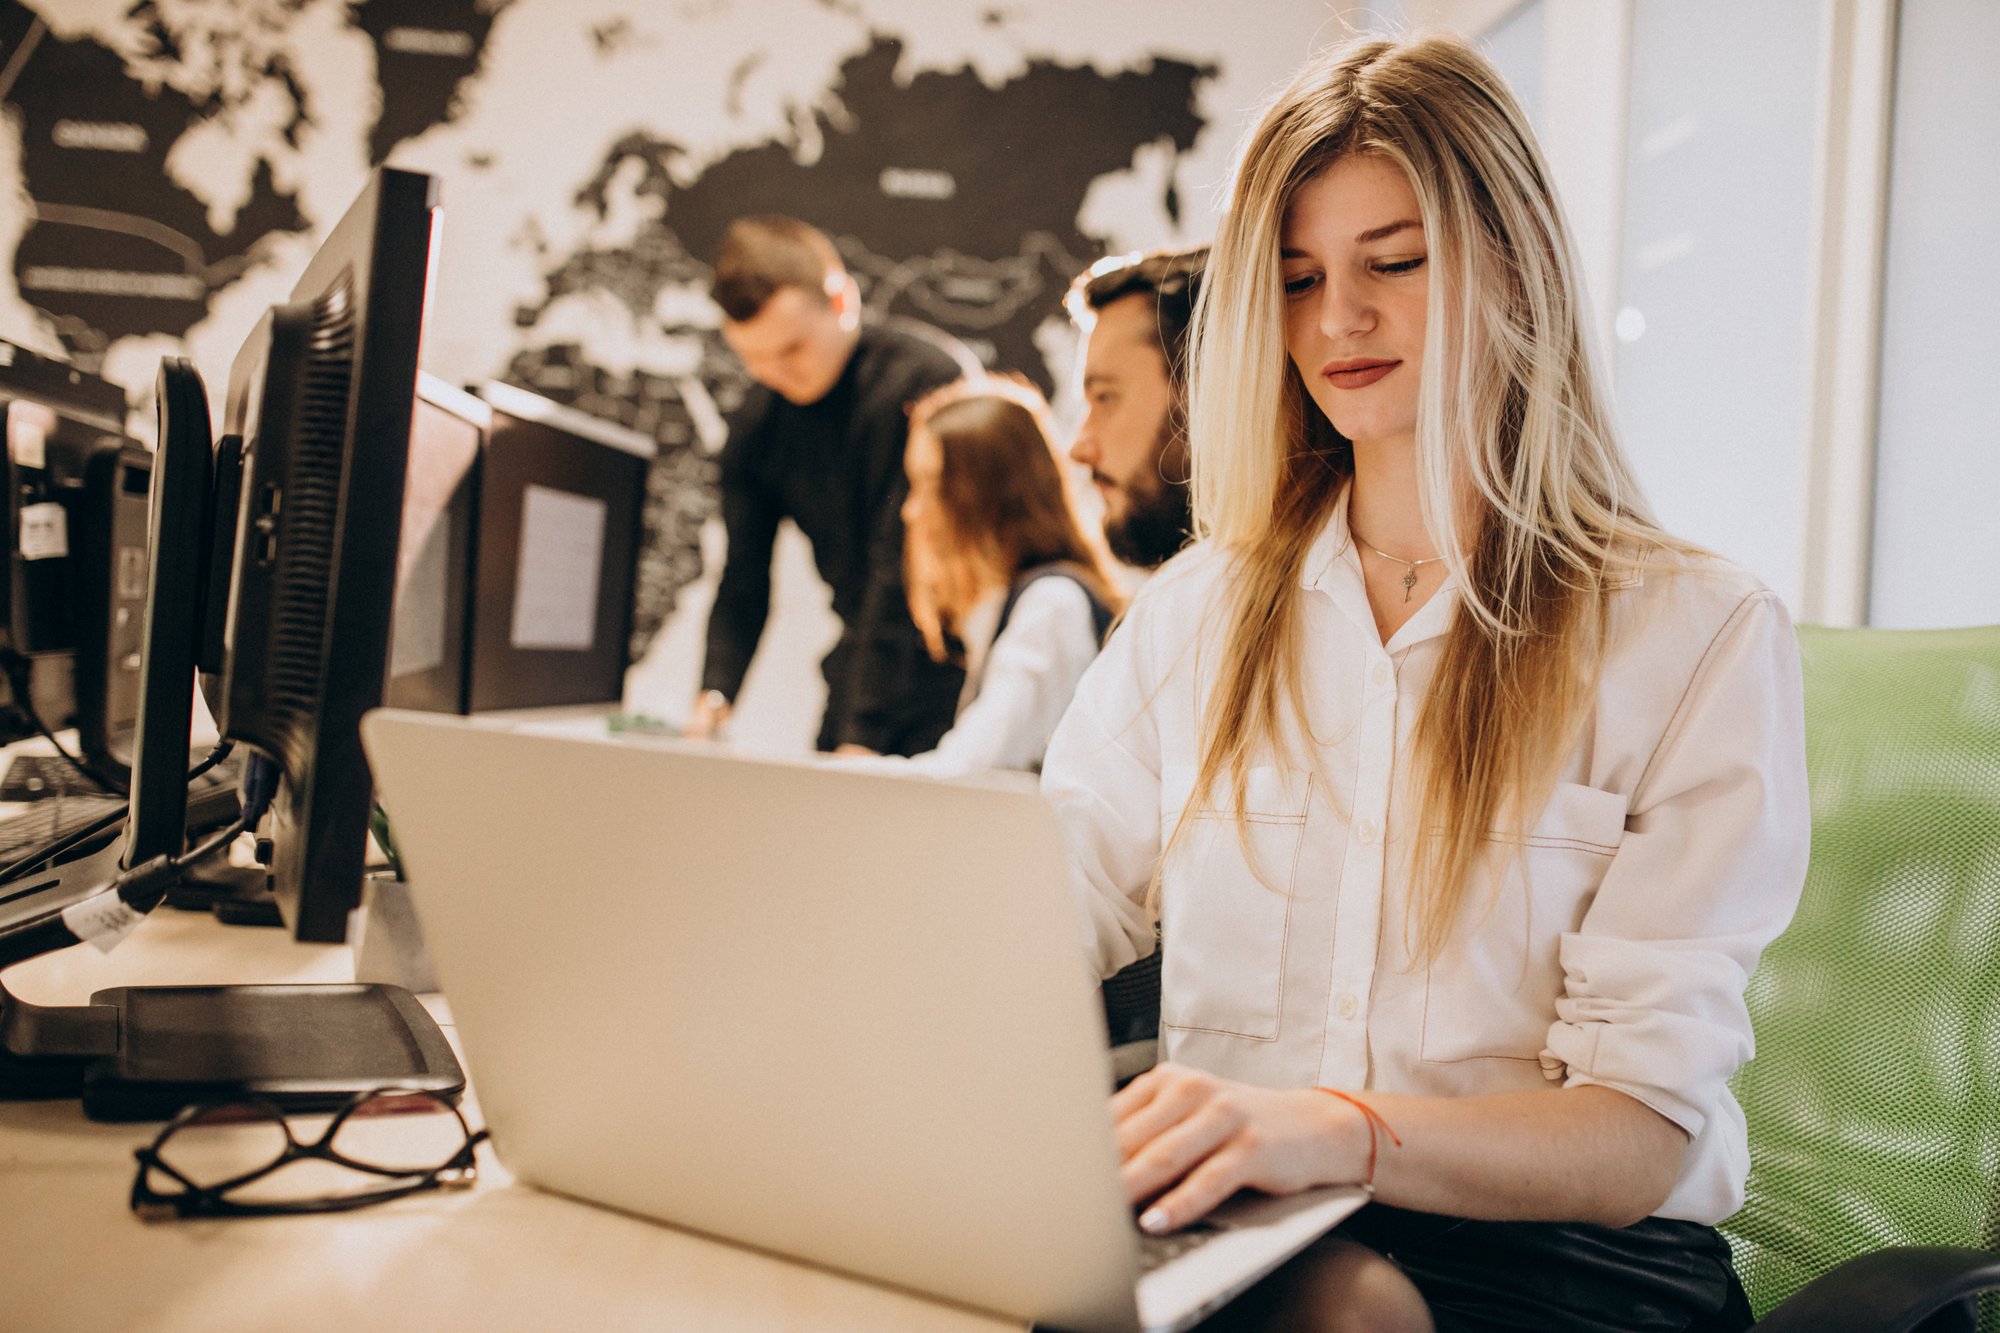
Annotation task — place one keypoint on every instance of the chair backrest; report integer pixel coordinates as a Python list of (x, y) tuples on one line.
[(1874, 1097)]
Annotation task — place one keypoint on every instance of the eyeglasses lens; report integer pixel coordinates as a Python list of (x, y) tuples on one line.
[(408, 1133), (400, 1134), (223, 1143)]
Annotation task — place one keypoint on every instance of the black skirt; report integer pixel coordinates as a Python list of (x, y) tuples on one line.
[(1560, 1277)]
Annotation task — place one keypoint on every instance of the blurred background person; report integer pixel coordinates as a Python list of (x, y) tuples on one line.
[(1135, 311), (819, 440), (1001, 574)]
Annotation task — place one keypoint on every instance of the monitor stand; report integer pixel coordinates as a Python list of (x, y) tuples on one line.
[(144, 1052)]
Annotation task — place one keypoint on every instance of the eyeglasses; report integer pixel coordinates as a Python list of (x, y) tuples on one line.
[(243, 1158)]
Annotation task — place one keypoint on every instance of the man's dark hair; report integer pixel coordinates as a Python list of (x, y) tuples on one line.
[(1172, 278), (762, 255)]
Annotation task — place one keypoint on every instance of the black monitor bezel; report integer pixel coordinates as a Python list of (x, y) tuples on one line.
[(381, 251)]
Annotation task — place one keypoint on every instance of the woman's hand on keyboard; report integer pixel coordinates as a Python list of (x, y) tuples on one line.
[(1188, 1141)]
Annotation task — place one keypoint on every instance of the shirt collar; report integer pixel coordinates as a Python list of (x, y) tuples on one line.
[(1333, 567), (1334, 540)]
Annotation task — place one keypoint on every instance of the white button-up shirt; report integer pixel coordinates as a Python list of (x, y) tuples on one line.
[(1611, 945)]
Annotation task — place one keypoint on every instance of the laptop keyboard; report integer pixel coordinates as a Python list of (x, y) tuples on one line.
[(32, 777), (1157, 1250)]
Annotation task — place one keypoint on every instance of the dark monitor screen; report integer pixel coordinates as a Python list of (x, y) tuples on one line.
[(428, 646)]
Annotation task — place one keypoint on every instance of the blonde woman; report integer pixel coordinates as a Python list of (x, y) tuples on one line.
[(1000, 575), (1463, 796)]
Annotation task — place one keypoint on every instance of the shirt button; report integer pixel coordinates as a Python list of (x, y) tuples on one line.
[(1369, 830), (1381, 675), (1348, 1006)]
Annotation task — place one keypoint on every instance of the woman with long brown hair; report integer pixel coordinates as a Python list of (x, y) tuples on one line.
[(1462, 796), (1000, 574)]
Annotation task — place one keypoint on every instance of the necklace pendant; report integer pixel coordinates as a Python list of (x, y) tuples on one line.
[(1409, 581)]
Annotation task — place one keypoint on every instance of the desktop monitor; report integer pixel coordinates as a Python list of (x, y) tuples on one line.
[(521, 530), (561, 504), (429, 645), (320, 400), (318, 416)]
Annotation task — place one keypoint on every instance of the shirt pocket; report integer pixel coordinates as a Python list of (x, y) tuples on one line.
[(1226, 901), (1492, 993)]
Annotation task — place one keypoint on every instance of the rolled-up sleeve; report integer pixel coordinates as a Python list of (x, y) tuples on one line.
[(1708, 873), (1102, 777)]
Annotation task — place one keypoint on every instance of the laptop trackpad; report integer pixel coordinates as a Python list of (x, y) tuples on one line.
[(1250, 1235)]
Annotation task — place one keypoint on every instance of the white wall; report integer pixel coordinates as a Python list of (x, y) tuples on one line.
[(1937, 479), (1799, 225), (1711, 327)]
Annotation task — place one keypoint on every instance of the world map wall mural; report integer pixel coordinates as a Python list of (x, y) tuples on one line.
[(167, 165)]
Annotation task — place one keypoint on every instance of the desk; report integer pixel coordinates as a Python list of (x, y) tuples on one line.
[(500, 1256)]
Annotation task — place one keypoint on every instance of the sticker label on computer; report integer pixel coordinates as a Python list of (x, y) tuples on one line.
[(103, 920), (44, 531), (555, 585), (28, 427)]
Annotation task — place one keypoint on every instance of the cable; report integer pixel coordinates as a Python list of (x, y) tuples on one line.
[(112, 786), (51, 851), (107, 915), (215, 756), (145, 884), (16, 669), (259, 787)]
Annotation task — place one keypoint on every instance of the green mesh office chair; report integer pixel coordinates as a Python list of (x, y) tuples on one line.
[(1874, 1098)]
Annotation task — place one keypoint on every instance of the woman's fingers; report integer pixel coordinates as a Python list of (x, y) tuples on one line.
[(1168, 1096), (1169, 1156), (1138, 1092), (1219, 1175), (1187, 1141)]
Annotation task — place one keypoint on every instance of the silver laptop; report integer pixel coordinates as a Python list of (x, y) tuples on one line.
[(835, 1015)]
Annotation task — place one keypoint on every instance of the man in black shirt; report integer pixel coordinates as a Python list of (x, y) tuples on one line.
[(819, 440)]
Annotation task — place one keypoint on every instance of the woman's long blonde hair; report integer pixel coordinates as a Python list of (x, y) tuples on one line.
[(1002, 507), (1522, 483)]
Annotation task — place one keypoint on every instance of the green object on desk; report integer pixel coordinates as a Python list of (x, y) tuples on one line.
[(1874, 1098), (639, 724), (378, 824)]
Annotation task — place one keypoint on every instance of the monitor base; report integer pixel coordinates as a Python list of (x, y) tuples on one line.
[(142, 1053)]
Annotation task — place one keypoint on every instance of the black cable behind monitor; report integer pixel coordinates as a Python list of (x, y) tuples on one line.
[(16, 669)]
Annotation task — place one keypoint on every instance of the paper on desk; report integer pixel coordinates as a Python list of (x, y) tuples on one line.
[(555, 588)]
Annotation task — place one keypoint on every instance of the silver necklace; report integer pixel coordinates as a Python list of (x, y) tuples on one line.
[(1409, 579)]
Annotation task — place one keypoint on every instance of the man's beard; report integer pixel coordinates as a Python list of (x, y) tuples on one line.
[(1158, 520)]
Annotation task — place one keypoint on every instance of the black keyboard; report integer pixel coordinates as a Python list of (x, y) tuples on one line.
[(47, 821), (211, 804), (35, 777)]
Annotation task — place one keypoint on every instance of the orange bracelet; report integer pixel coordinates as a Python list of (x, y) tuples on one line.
[(1372, 1118)]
